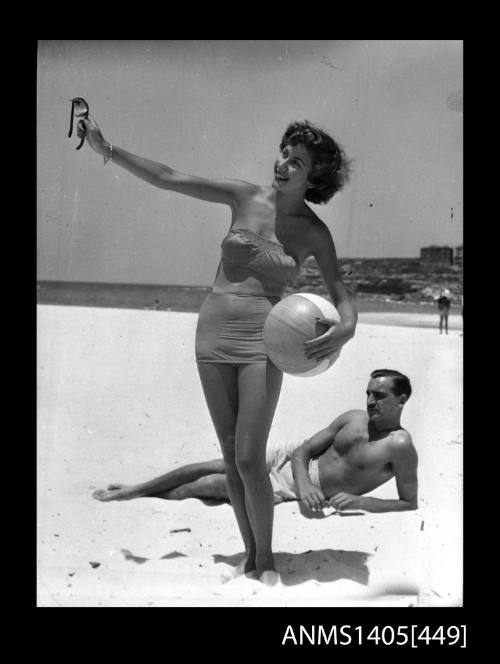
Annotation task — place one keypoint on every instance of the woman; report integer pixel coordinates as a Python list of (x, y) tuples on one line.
[(272, 232)]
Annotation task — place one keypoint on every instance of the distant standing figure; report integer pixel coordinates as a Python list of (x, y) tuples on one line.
[(444, 303)]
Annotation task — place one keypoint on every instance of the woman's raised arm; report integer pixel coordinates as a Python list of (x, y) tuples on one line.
[(228, 192)]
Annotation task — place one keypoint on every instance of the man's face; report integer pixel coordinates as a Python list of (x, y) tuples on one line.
[(381, 403)]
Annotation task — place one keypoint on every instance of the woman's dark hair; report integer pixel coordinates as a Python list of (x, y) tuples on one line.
[(400, 382), (331, 167)]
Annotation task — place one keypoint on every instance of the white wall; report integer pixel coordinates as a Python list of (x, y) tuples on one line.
[(219, 108)]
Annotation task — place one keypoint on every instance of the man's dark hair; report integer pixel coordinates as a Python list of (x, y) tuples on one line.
[(331, 167), (400, 382)]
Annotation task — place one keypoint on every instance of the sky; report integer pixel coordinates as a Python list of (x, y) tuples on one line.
[(218, 108)]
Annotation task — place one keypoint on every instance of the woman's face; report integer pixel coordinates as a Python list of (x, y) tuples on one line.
[(292, 168)]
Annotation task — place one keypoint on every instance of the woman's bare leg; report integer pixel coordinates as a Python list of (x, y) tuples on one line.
[(171, 480), (259, 387), (220, 386)]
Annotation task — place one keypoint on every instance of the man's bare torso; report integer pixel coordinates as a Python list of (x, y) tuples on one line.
[(354, 462)]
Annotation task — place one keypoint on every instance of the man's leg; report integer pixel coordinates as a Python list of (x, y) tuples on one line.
[(211, 487), (164, 483)]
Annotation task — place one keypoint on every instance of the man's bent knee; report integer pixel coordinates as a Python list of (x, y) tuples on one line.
[(210, 486)]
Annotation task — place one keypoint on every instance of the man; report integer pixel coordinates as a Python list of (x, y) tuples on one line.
[(444, 304), (357, 452)]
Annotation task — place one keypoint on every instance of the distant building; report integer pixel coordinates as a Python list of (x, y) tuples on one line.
[(436, 254), (459, 255)]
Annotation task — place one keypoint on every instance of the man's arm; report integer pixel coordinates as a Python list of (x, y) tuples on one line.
[(404, 461), (312, 496)]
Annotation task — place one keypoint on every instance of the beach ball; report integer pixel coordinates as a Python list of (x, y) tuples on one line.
[(290, 323)]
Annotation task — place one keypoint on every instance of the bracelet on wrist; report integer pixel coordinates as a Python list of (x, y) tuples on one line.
[(109, 153)]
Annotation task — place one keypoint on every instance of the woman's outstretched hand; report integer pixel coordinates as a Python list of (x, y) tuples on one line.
[(93, 136)]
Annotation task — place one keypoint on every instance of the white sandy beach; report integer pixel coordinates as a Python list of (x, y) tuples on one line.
[(119, 400)]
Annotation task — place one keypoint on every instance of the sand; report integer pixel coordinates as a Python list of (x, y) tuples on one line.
[(119, 400)]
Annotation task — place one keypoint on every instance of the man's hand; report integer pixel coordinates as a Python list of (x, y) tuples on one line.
[(312, 497), (346, 501)]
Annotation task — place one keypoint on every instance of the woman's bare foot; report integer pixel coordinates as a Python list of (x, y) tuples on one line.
[(245, 567), (270, 577), (115, 492)]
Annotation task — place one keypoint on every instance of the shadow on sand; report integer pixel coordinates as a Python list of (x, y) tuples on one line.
[(325, 565), (305, 511), (320, 514)]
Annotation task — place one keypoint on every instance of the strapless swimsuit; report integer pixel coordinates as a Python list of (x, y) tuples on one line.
[(230, 325)]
